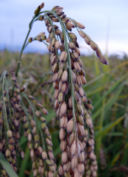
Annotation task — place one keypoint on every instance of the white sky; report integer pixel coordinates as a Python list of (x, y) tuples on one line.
[(105, 21)]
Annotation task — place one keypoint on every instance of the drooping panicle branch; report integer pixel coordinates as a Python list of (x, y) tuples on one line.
[(72, 107), (71, 104)]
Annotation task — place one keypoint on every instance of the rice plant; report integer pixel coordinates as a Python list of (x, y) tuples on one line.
[(61, 141)]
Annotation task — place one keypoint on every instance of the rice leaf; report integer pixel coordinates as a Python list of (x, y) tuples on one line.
[(108, 128), (5, 164), (24, 163)]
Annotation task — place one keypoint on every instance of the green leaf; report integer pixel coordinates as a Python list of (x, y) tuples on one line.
[(24, 163), (109, 103), (7, 166), (115, 159), (100, 127), (113, 98), (50, 116), (23, 140), (111, 89), (108, 128)]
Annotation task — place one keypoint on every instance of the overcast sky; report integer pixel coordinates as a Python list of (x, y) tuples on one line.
[(105, 21)]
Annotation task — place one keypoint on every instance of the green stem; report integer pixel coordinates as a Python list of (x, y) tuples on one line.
[(21, 52), (72, 84), (23, 47), (4, 104)]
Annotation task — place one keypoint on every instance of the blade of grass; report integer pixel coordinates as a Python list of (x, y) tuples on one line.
[(24, 163), (111, 89), (100, 127), (7, 166), (110, 102), (108, 128)]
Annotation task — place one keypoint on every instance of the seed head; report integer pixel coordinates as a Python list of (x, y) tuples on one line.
[(9, 133), (74, 148), (7, 153), (62, 134), (82, 34), (65, 76), (63, 145), (70, 126), (57, 44), (81, 168), (74, 162), (63, 56), (44, 155), (63, 109), (79, 25), (64, 157)]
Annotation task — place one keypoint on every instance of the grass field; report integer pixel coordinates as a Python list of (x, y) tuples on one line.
[(107, 88)]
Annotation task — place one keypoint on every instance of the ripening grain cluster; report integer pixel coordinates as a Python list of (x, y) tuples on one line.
[(71, 105)]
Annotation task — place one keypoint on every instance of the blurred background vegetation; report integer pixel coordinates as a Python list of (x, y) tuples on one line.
[(107, 88)]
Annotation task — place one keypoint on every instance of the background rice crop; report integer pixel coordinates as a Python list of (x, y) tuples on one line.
[(84, 130), (107, 87)]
